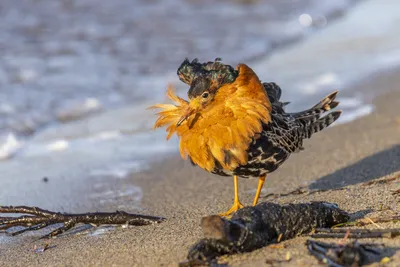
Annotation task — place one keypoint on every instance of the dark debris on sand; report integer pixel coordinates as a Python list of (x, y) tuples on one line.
[(353, 254), (251, 228)]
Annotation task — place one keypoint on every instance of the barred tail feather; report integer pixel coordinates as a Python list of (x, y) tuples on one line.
[(323, 122), (311, 119), (328, 102), (313, 114)]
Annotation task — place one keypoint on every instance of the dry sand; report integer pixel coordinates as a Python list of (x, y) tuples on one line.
[(344, 155)]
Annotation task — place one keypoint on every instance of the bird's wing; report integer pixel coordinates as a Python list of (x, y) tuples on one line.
[(284, 131)]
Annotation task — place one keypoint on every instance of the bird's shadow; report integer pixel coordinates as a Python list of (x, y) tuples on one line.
[(375, 166)]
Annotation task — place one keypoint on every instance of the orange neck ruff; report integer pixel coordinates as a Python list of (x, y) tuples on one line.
[(224, 129)]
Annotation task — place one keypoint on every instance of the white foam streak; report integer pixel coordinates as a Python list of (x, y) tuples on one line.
[(356, 113), (9, 146)]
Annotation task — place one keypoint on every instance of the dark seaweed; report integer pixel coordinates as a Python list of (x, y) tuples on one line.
[(251, 228), (338, 255)]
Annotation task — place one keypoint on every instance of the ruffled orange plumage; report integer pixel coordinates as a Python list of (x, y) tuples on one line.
[(221, 132)]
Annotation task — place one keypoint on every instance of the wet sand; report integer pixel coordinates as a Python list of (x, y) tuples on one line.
[(345, 155)]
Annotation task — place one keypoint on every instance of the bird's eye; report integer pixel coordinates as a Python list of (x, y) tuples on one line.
[(204, 95)]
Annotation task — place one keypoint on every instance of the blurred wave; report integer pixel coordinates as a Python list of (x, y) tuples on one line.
[(64, 60)]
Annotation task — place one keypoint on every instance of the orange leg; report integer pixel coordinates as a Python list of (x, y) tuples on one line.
[(261, 181), (236, 203)]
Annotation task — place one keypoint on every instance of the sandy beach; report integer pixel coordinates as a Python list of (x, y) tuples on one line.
[(75, 135), (346, 155)]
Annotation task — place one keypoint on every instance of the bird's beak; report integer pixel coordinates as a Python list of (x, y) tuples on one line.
[(187, 114), (194, 106)]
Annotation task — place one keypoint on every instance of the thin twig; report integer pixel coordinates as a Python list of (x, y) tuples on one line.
[(355, 233)]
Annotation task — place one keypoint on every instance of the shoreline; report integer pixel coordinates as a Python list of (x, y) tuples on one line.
[(345, 155), (88, 161)]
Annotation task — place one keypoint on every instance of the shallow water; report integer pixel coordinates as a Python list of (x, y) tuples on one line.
[(70, 60), (62, 60)]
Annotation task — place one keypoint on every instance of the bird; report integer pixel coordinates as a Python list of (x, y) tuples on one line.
[(233, 124)]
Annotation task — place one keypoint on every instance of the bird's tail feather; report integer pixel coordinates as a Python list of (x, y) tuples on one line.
[(314, 113), (312, 119), (323, 122)]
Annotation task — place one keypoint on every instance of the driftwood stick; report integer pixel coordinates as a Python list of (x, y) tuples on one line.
[(40, 218)]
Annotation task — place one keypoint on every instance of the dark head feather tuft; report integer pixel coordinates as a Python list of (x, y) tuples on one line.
[(200, 75)]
